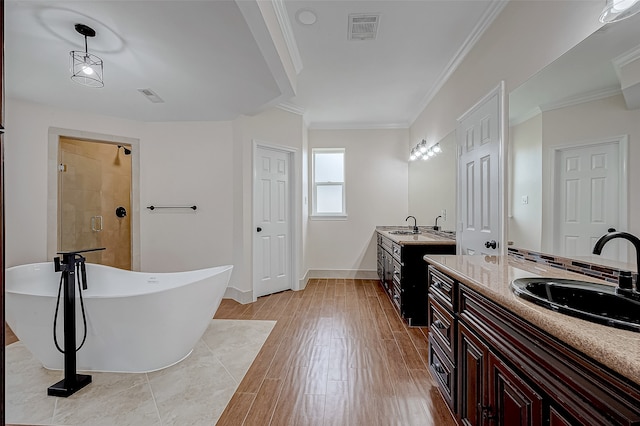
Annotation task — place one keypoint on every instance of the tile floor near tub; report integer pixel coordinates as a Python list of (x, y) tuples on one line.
[(193, 392)]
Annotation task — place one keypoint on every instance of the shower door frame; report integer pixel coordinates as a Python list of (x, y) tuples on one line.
[(52, 191)]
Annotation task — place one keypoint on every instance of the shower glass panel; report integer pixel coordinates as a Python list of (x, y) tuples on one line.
[(94, 181)]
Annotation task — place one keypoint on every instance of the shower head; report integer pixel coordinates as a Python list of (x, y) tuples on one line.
[(127, 151)]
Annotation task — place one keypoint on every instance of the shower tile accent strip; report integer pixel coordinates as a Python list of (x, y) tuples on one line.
[(585, 268)]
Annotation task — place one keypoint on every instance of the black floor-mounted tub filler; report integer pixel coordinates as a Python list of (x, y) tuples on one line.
[(72, 261)]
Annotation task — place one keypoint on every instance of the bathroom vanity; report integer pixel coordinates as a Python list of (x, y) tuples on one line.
[(402, 270), (501, 360)]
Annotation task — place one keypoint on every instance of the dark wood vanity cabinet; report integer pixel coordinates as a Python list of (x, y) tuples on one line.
[(403, 274), (505, 371), (490, 390)]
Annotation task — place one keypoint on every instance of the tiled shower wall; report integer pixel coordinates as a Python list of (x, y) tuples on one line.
[(95, 179)]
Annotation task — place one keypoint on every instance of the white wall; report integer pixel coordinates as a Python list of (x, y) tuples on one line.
[(376, 174), (208, 164), (592, 121), (185, 164), (523, 39), (525, 220), (432, 186), (26, 171), (274, 127)]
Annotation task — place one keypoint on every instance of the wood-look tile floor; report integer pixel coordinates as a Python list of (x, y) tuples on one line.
[(338, 355)]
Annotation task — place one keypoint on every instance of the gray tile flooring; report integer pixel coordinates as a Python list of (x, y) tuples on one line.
[(192, 392)]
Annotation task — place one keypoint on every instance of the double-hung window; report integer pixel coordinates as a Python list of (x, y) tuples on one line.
[(328, 182)]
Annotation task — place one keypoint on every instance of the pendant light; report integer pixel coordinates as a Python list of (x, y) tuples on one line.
[(617, 10), (86, 68)]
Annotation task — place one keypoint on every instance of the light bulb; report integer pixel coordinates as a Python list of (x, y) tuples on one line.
[(412, 157), (423, 146), (621, 5), (87, 70), (437, 148), (431, 153)]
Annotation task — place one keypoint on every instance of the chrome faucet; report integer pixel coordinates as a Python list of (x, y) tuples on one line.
[(415, 224), (436, 227), (624, 283)]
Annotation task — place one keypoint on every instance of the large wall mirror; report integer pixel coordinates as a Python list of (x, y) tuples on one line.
[(575, 146)]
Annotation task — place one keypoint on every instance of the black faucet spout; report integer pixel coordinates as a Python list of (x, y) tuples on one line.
[(436, 227), (599, 245), (415, 224)]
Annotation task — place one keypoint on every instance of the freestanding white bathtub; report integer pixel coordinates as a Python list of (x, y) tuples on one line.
[(137, 322)]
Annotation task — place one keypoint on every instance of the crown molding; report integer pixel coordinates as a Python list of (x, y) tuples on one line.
[(485, 22), (357, 126), (580, 99), (625, 59), (289, 107), (287, 32), (524, 117)]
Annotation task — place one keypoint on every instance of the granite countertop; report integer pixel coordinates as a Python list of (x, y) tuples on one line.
[(426, 237), (491, 276)]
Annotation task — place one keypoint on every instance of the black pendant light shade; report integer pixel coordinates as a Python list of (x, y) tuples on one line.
[(86, 68)]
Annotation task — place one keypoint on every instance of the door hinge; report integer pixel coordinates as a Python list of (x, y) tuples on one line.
[(62, 167)]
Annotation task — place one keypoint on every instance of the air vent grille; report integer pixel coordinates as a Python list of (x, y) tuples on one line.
[(151, 95), (363, 27)]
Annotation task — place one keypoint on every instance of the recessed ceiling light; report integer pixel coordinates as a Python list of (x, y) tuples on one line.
[(306, 16)]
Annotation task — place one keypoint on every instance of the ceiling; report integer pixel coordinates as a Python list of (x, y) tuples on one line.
[(210, 60)]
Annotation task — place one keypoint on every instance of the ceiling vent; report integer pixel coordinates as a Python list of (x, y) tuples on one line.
[(151, 95), (363, 27)]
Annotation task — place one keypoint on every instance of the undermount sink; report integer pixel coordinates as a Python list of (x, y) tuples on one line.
[(403, 232), (590, 301)]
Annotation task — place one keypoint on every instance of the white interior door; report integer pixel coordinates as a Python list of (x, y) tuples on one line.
[(479, 135), (588, 198), (272, 219)]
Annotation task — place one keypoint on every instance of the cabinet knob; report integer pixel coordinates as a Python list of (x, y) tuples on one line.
[(439, 369), (439, 324), (259, 229), (487, 413)]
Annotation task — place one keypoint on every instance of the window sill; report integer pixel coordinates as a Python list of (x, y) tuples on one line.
[(328, 217)]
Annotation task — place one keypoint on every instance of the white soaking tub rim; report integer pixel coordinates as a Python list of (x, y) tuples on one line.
[(53, 291)]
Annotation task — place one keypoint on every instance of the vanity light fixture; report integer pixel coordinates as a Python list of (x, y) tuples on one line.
[(422, 151), (617, 10), (86, 68)]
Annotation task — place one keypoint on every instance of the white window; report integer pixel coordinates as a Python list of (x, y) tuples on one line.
[(328, 182)]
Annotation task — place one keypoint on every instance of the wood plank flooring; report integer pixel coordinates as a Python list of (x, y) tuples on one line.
[(338, 355)]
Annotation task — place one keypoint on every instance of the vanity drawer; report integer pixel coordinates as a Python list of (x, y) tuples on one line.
[(442, 327), (441, 288), (397, 252), (443, 371)]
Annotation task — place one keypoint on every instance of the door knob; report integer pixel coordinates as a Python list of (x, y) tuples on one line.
[(491, 244), (259, 229)]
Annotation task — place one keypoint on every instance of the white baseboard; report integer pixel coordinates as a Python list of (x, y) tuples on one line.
[(354, 274), (239, 296), (245, 297)]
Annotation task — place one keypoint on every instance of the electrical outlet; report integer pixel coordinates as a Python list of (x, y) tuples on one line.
[(443, 213), (525, 199)]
